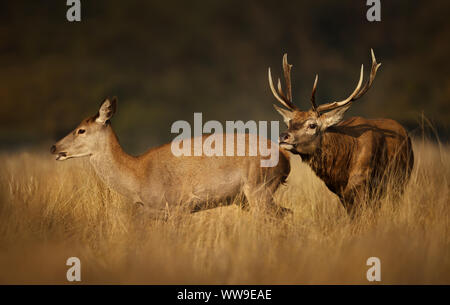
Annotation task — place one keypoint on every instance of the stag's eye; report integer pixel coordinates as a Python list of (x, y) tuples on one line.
[(312, 126), (81, 131)]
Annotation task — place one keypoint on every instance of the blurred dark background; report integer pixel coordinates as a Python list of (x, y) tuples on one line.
[(167, 59)]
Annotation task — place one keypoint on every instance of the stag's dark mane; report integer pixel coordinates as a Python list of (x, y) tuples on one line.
[(333, 160)]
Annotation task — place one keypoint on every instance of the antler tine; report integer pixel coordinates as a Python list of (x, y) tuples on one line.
[(287, 77), (373, 73), (285, 100), (280, 90), (275, 93), (313, 94), (358, 91), (349, 99)]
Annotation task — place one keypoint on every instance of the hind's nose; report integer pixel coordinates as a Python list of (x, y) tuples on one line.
[(53, 149)]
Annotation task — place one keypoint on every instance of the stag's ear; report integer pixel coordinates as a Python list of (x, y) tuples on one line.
[(286, 114), (333, 117), (106, 111)]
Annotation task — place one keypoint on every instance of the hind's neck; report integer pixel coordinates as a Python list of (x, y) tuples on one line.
[(115, 167)]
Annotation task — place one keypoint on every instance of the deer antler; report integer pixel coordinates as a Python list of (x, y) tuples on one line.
[(313, 94), (358, 92), (284, 99), (373, 73)]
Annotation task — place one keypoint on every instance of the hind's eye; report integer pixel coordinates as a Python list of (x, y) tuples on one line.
[(312, 126), (80, 131)]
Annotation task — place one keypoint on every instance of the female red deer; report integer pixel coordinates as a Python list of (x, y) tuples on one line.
[(158, 179), (356, 158)]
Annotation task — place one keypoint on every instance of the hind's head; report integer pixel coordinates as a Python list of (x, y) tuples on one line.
[(84, 140)]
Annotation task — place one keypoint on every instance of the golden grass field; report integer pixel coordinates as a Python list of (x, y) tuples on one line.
[(50, 211)]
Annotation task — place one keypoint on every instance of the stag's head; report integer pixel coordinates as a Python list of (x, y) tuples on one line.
[(88, 137), (305, 128)]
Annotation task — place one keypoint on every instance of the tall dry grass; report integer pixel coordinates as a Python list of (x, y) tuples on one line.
[(50, 211)]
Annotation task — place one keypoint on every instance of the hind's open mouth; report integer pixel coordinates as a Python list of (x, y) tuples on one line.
[(61, 156)]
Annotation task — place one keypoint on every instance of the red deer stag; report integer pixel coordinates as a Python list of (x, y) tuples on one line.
[(158, 179), (355, 158)]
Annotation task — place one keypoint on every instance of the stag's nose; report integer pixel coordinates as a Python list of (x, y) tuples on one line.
[(284, 137), (53, 149)]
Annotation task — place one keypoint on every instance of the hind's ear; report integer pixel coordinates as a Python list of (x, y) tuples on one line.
[(107, 110)]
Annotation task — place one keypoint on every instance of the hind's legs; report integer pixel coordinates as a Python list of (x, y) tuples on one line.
[(261, 198)]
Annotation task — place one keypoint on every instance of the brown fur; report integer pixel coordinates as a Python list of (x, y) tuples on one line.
[(160, 180), (357, 157)]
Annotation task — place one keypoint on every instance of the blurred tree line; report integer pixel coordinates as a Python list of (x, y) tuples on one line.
[(167, 59)]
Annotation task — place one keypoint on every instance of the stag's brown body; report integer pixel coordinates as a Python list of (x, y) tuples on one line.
[(357, 158)]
